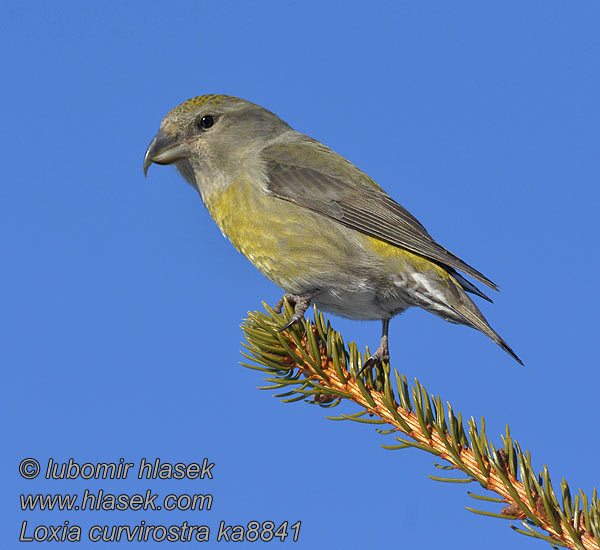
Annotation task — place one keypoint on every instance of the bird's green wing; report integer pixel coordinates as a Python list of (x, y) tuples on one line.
[(311, 175)]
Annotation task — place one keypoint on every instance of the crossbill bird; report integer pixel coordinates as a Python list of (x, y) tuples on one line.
[(311, 221)]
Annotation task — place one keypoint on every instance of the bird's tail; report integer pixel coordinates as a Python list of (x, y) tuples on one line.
[(472, 317), (444, 293)]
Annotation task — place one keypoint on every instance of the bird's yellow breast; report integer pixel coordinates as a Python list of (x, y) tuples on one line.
[(263, 228)]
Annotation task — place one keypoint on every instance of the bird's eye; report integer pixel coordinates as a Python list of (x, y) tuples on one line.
[(206, 122)]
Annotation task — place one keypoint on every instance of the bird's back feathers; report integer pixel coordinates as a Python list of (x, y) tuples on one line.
[(325, 182)]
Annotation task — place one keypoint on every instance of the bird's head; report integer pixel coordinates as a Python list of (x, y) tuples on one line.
[(208, 136)]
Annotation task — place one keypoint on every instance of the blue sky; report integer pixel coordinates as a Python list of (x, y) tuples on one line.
[(122, 301)]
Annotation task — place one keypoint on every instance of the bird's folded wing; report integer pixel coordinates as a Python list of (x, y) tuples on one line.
[(313, 176)]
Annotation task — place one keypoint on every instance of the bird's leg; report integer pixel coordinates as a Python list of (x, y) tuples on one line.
[(300, 303), (382, 353)]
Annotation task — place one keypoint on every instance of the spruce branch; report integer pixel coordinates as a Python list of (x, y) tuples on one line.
[(310, 362)]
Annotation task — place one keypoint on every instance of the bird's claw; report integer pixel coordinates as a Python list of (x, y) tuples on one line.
[(382, 354), (300, 303), (295, 319)]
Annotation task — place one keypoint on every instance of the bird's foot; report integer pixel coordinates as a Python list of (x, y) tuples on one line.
[(382, 354), (301, 302)]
